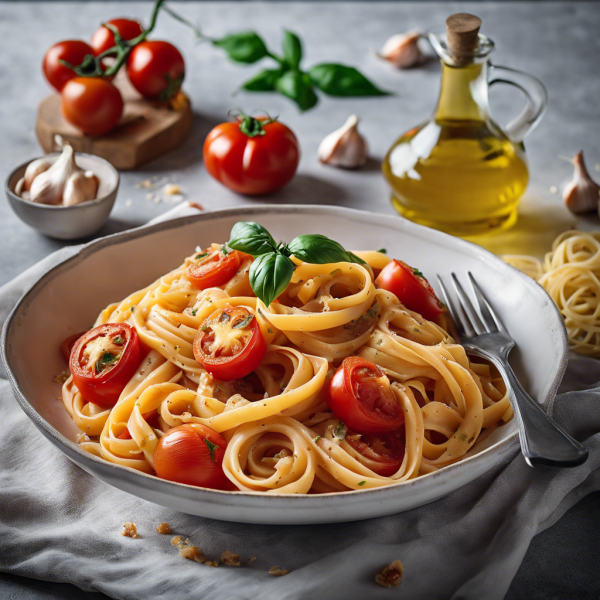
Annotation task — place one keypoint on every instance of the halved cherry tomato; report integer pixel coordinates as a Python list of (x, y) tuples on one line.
[(156, 69), (360, 395), (103, 361), (104, 39), (73, 52), (92, 104), (213, 268), (229, 344), (411, 288), (252, 156), (67, 346), (383, 452), (192, 454)]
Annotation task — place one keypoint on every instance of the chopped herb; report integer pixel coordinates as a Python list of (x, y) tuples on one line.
[(383, 251), (270, 330), (340, 431), (132, 308), (362, 482), (119, 341), (317, 438), (108, 358), (462, 437), (418, 273), (335, 272), (224, 317), (204, 327), (224, 250), (211, 448), (243, 323), (201, 255), (194, 311), (372, 312)]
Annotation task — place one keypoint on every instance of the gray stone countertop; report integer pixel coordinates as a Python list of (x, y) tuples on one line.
[(558, 42)]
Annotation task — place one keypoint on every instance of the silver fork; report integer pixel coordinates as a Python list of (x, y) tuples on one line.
[(543, 442)]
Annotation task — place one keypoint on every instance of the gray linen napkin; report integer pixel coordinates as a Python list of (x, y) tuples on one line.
[(57, 523)]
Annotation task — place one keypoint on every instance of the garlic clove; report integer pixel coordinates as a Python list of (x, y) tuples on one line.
[(403, 51), (34, 168), (47, 187), (80, 187), (20, 187), (345, 147), (582, 194)]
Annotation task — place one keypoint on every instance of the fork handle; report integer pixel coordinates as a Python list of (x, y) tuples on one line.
[(543, 442)]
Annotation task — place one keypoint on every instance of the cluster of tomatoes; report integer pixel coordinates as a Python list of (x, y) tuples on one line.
[(93, 103), (230, 346)]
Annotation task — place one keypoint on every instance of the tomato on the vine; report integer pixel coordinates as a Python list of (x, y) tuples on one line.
[(382, 452), (104, 39), (252, 155), (71, 51), (192, 454), (411, 288), (229, 343), (212, 268), (103, 361), (156, 69), (92, 104), (360, 395)]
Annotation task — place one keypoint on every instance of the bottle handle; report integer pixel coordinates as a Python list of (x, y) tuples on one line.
[(536, 95)]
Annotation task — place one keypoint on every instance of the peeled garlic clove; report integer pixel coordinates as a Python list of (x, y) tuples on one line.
[(34, 168), (402, 50), (582, 194), (80, 187), (345, 147), (47, 187)]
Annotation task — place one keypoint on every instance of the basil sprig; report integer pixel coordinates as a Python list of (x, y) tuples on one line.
[(287, 78), (272, 269)]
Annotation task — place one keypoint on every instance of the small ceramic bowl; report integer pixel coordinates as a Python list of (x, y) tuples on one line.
[(68, 222)]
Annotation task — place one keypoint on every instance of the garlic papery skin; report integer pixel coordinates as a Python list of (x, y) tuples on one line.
[(403, 51), (345, 147), (582, 194), (47, 187), (80, 187)]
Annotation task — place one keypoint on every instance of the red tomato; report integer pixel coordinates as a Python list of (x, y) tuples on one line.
[(411, 288), (156, 69), (73, 51), (67, 346), (229, 344), (383, 453), (104, 39), (252, 156), (103, 360), (92, 104), (360, 395), (192, 454), (213, 268)]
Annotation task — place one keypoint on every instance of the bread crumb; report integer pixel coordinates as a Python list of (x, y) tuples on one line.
[(275, 570), (176, 540), (164, 528), (553, 189), (130, 530), (230, 559), (391, 575), (171, 189), (147, 184), (251, 560), (61, 378), (212, 563), (187, 551)]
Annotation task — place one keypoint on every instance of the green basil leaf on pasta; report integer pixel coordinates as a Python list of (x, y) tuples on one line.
[(317, 249), (343, 81), (292, 49), (245, 47), (270, 274), (251, 238), (296, 86)]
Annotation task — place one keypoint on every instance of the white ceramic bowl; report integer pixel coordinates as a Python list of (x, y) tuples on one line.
[(68, 298), (68, 222)]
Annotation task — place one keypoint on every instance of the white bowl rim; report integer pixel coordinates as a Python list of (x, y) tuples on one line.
[(306, 501), (87, 204)]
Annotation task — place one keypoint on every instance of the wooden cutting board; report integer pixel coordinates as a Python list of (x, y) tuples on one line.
[(147, 129)]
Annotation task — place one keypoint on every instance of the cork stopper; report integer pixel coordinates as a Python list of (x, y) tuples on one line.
[(462, 30)]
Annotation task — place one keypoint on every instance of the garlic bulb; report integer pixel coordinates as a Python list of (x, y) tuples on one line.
[(345, 147), (80, 187), (582, 194), (402, 50), (48, 187)]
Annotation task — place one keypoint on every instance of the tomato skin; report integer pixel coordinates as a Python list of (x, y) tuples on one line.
[(252, 165), (92, 104), (182, 455), (152, 66), (228, 367), (411, 289), (104, 39), (383, 451), (364, 403), (73, 51), (213, 270), (105, 388)]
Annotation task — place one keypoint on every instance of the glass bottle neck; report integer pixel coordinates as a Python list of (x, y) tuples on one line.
[(464, 93)]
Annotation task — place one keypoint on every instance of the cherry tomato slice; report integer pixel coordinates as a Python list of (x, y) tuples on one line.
[(383, 452), (192, 454), (71, 51), (67, 346), (213, 268), (360, 395), (104, 39), (229, 344), (411, 288), (103, 361)]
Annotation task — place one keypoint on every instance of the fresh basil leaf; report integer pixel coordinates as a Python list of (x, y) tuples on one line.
[(263, 81), (317, 249), (356, 259), (270, 274), (211, 448), (251, 238), (292, 49), (245, 47), (340, 80), (298, 88)]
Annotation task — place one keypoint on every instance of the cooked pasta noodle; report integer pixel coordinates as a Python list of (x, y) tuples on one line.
[(281, 435)]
